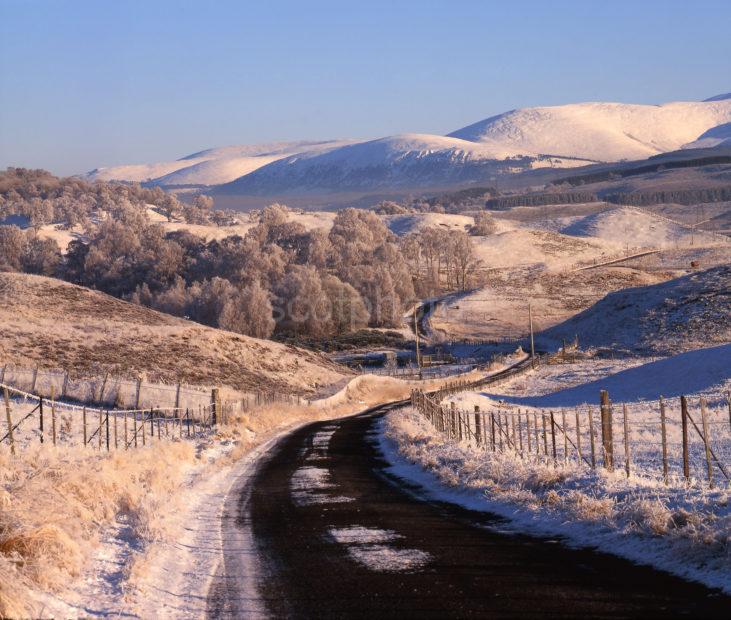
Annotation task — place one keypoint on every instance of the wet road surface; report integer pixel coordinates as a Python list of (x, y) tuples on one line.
[(334, 536)]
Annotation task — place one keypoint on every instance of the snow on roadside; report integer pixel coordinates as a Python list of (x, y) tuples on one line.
[(683, 531), (120, 558)]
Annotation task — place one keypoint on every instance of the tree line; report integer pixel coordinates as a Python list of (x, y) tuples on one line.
[(278, 279)]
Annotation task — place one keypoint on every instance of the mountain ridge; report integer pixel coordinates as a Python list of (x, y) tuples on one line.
[(522, 139)]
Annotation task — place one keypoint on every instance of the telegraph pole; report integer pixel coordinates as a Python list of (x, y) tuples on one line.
[(530, 322)]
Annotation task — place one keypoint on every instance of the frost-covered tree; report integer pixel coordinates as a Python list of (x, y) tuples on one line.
[(302, 306), (249, 312)]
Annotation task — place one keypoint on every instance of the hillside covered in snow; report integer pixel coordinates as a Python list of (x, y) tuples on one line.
[(521, 140), (685, 313)]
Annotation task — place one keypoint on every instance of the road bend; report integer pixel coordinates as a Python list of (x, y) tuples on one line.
[(328, 533)]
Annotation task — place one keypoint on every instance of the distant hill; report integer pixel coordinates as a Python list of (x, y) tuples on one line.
[(686, 313), (209, 167), (518, 141)]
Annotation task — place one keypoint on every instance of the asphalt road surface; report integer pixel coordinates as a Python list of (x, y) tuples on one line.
[(333, 536)]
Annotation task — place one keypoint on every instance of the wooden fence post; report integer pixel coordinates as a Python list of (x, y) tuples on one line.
[(545, 432), (704, 422), (578, 437), (457, 427), (215, 405), (591, 438), (500, 431), (492, 430), (527, 430), (126, 440), (177, 396), (65, 385), (116, 445), (138, 395), (553, 438), (35, 379), (9, 419), (107, 425), (520, 432), (664, 439), (684, 422), (565, 437), (83, 419), (607, 442), (100, 399), (478, 430), (134, 427), (537, 433), (40, 417), (53, 416), (626, 438)]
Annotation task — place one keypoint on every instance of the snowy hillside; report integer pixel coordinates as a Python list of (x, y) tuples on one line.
[(634, 227), (396, 161), (715, 136), (678, 315), (559, 137), (599, 131), (210, 167)]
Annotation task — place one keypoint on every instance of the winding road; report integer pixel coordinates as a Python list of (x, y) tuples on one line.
[(320, 529)]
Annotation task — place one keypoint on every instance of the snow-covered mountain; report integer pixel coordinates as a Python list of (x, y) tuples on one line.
[(212, 166), (407, 160), (557, 136), (600, 132)]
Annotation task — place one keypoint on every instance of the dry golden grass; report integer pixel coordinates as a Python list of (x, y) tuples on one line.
[(53, 324), (55, 501)]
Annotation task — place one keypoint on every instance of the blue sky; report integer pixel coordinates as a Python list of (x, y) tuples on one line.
[(96, 83)]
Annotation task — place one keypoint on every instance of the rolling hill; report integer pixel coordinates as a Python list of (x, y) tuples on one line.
[(686, 313), (599, 132), (209, 167), (521, 140), (53, 324)]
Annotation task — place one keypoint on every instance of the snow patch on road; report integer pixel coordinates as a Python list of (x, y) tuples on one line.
[(360, 534), (366, 545), (307, 485), (383, 558)]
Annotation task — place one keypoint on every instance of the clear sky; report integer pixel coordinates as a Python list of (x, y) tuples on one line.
[(104, 82)]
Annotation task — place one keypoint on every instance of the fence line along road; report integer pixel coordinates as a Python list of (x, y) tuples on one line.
[(673, 440)]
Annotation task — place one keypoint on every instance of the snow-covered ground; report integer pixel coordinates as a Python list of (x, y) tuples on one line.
[(681, 314), (680, 526), (571, 393), (674, 528)]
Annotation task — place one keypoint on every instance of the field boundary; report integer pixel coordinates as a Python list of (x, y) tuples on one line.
[(693, 448)]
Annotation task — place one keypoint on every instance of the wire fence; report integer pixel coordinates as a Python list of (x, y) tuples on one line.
[(675, 440), (30, 419), (104, 389)]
